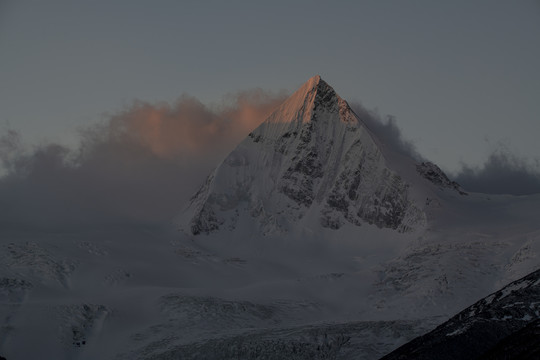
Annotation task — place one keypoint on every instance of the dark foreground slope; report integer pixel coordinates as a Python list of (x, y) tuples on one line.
[(504, 325), (524, 344)]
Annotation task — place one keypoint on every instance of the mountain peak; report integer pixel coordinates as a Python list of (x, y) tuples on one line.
[(313, 81), (314, 97), (312, 161), (316, 84), (312, 84)]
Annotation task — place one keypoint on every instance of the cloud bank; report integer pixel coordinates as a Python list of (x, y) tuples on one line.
[(503, 173), (139, 165)]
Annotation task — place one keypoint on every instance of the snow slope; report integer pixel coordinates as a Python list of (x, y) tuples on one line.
[(313, 239)]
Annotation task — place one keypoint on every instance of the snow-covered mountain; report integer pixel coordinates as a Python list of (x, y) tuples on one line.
[(314, 159), (313, 239)]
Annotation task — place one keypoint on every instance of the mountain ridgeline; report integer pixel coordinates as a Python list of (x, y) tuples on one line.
[(312, 161), (503, 325)]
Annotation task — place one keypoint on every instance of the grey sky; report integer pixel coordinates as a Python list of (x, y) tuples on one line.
[(459, 76)]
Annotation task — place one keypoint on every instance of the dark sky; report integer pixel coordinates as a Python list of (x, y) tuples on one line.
[(459, 76)]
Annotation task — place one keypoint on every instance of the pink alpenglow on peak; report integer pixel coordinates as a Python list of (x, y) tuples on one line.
[(300, 105)]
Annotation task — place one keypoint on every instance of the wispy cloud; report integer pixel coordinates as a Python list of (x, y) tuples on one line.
[(386, 130)]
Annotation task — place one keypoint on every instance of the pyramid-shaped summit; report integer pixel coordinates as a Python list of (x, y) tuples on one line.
[(312, 163), (314, 95), (314, 99)]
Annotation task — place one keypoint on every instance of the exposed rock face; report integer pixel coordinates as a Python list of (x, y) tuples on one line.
[(500, 321), (311, 156), (434, 174)]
